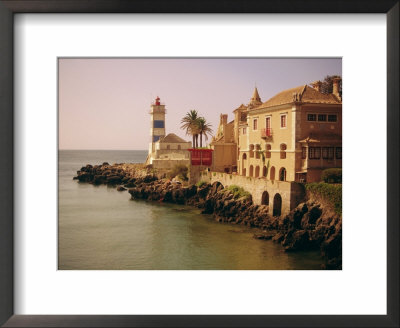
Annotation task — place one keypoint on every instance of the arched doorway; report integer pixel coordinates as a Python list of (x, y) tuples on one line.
[(272, 173), (265, 198), (251, 171), (282, 174), (277, 205), (244, 171), (257, 174), (179, 147)]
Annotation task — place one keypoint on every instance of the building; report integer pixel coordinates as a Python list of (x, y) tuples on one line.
[(165, 151), (293, 136), (224, 146)]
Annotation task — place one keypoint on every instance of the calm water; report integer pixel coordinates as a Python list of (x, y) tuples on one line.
[(101, 228)]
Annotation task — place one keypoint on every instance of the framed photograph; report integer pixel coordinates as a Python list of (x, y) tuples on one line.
[(175, 165)]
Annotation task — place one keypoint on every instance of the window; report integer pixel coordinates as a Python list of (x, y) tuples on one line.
[(311, 117), (283, 151), (268, 122), (322, 117), (303, 152), (243, 117), (338, 152), (268, 151), (282, 174), (327, 152), (314, 152), (156, 138), (283, 121), (244, 130), (255, 121), (158, 124), (332, 118)]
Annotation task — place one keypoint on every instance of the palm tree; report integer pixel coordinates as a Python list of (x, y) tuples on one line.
[(189, 124), (203, 128)]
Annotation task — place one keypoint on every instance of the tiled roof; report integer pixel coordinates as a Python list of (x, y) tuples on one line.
[(172, 138), (303, 93)]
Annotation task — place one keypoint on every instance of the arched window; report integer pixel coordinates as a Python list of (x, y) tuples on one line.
[(251, 171), (283, 151), (265, 198), (258, 148), (251, 151), (244, 158), (277, 205), (257, 174), (282, 174), (264, 173), (272, 173), (267, 151), (168, 147)]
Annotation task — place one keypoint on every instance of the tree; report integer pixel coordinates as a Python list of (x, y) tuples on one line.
[(327, 84), (189, 123), (204, 129)]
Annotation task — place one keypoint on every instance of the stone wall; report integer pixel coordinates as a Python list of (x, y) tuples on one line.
[(168, 163), (263, 191)]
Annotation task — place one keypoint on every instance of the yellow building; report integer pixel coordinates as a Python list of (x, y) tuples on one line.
[(293, 136), (224, 146)]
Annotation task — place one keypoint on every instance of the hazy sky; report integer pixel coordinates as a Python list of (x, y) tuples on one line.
[(105, 103)]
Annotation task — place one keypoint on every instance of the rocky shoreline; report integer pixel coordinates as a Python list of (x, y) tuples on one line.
[(311, 225)]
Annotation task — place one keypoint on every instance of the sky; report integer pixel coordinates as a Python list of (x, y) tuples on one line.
[(105, 103)]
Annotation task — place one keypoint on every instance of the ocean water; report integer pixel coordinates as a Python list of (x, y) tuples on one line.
[(100, 228)]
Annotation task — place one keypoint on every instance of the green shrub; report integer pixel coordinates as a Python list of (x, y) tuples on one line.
[(329, 192), (238, 192), (201, 183), (332, 175), (181, 171)]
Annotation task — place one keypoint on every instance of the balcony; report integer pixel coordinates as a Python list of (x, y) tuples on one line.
[(266, 133)]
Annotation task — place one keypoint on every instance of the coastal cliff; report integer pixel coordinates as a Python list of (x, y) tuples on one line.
[(312, 225)]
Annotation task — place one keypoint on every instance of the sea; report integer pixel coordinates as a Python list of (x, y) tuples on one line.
[(100, 228)]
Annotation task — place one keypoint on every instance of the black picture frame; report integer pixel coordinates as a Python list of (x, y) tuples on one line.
[(10, 7)]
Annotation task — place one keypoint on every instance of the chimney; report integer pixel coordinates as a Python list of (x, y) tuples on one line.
[(224, 118), (317, 85), (335, 89)]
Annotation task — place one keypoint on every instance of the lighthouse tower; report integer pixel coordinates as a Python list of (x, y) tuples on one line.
[(157, 129)]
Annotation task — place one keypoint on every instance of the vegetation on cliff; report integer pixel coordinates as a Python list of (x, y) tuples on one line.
[(331, 193), (239, 192)]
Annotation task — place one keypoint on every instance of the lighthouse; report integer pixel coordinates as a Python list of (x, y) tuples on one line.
[(157, 129)]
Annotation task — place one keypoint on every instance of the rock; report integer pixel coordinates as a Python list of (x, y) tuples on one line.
[(264, 236), (296, 240), (278, 237), (121, 188), (113, 179)]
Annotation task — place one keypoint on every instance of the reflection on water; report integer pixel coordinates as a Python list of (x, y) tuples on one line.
[(101, 228)]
